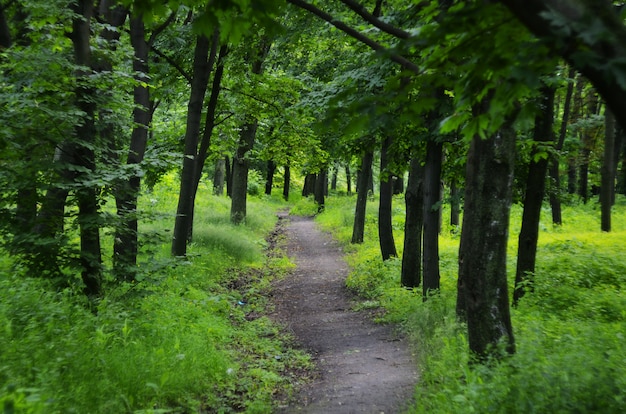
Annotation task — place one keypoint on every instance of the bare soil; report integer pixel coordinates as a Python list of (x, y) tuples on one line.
[(363, 367)]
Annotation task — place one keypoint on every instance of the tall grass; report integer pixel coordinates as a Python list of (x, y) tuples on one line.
[(570, 331), (188, 337)]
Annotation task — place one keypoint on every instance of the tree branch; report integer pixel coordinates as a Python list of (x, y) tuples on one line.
[(371, 18), (161, 28), (174, 64), (401, 60)]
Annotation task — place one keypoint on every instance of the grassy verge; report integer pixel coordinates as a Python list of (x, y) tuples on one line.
[(569, 332), (189, 337)]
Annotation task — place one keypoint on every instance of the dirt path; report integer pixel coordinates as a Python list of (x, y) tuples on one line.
[(363, 367)]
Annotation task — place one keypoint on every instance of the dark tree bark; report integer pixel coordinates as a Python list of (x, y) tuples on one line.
[(348, 180), (555, 176), (533, 200), (229, 177), (411, 274), (269, 179), (358, 229), (482, 284), (246, 142), (607, 188), (385, 227), (432, 211), (321, 183), (572, 175), (200, 81), (86, 195), (218, 177), (286, 182), (455, 204), (126, 236), (622, 176), (309, 185), (241, 165)]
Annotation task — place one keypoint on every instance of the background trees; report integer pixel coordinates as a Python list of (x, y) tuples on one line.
[(400, 86)]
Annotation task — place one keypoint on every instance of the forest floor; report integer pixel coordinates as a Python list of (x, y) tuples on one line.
[(362, 366)]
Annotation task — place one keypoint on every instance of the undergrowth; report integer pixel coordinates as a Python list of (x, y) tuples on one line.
[(188, 338), (569, 332)]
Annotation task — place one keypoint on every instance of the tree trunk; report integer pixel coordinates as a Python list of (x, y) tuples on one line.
[(241, 165), (607, 189), (482, 284), (555, 176), (269, 180), (572, 175), (432, 208), (535, 186), (218, 177), (455, 204), (229, 177), (385, 227), (398, 184), (200, 81), (358, 229), (309, 185), (320, 188), (86, 195), (125, 246), (348, 180), (247, 135), (333, 181), (411, 274), (287, 182), (209, 123)]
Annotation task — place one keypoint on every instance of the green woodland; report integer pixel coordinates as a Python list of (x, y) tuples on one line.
[(468, 155)]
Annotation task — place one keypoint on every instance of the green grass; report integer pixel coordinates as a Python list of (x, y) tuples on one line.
[(570, 331), (189, 337)]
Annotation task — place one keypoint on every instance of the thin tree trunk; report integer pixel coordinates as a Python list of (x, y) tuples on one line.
[(287, 182), (348, 180), (200, 80), (385, 227), (229, 177), (555, 177), (218, 177), (411, 274), (607, 188), (247, 136), (358, 229), (398, 184), (269, 180), (86, 195), (333, 181), (321, 183), (482, 284), (455, 204), (240, 172), (126, 236), (432, 208), (533, 200)]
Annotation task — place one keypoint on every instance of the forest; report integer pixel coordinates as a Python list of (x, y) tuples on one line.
[(469, 156)]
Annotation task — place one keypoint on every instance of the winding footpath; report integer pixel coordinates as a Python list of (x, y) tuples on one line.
[(363, 367)]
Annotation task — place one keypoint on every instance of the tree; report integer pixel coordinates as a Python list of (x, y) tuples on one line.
[(533, 200), (247, 136), (482, 284), (411, 274), (385, 227), (589, 34), (202, 66), (607, 188), (358, 229)]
